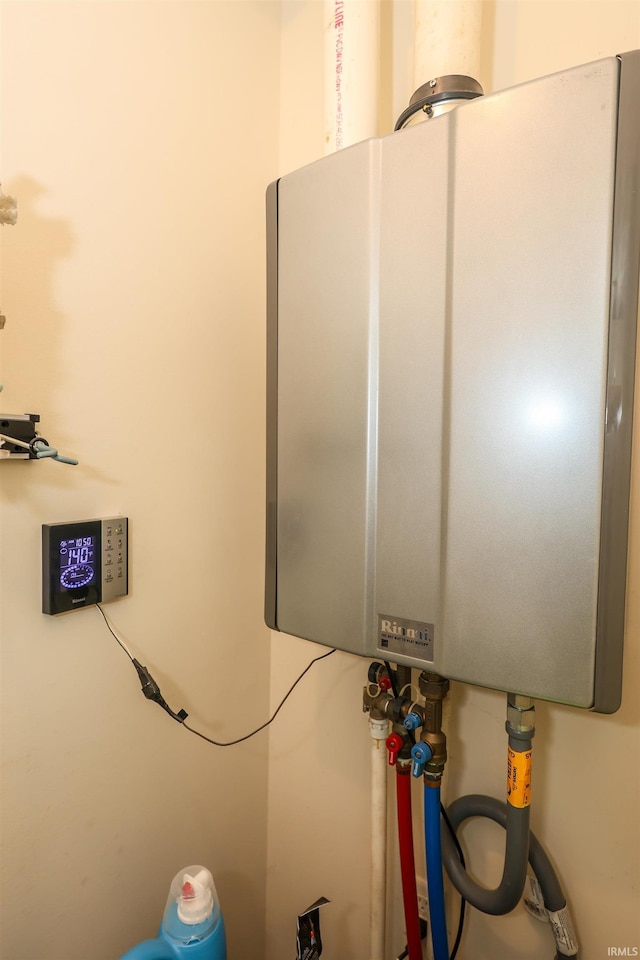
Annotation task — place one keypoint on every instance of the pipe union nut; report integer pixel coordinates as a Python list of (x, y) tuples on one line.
[(521, 720), (520, 702), (432, 686)]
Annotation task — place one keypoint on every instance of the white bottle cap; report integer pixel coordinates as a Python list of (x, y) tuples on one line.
[(196, 897)]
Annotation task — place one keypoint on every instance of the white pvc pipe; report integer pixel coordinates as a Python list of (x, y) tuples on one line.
[(378, 730), (447, 39), (351, 57), (351, 70)]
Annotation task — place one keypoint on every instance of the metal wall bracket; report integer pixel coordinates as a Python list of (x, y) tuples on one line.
[(19, 439)]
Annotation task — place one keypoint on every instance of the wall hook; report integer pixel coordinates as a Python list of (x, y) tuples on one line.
[(20, 441)]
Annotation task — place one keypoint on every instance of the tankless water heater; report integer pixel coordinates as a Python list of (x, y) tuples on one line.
[(452, 315)]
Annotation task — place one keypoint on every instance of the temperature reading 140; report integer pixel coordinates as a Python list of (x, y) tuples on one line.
[(77, 562), (78, 550)]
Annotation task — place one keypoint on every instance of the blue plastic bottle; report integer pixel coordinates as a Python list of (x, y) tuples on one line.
[(192, 927)]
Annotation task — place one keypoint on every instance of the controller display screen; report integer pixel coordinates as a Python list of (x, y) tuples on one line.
[(77, 562)]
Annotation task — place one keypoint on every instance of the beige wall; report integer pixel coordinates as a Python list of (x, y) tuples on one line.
[(133, 285), (586, 783)]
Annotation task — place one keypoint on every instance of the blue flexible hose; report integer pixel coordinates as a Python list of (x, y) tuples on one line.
[(435, 882)]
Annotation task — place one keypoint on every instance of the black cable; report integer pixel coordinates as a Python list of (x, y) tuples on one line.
[(148, 685), (151, 691), (231, 743), (392, 678), (423, 932), (463, 902)]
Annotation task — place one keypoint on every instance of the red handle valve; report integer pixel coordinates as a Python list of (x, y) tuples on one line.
[(394, 746), (384, 683)]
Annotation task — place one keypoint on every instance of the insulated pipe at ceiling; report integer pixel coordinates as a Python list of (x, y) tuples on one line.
[(447, 39), (351, 58)]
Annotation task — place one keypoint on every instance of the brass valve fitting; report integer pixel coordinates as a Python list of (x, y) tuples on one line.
[(434, 689)]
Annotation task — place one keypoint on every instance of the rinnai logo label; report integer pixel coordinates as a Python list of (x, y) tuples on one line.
[(410, 637), (622, 952)]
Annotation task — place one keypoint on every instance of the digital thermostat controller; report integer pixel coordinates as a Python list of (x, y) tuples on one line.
[(83, 562)]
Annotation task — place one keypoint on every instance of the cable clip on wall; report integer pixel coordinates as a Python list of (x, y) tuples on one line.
[(20, 440)]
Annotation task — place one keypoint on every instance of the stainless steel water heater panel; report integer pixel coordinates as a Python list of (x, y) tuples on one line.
[(452, 328)]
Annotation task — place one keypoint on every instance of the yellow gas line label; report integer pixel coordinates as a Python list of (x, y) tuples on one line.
[(519, 778)]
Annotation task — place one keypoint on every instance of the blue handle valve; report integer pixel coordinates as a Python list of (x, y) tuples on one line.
[(412, 721), (420, 754)]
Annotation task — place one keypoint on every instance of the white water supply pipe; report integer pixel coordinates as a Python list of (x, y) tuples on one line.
[(447, 39), (351, 71), (378, 730)]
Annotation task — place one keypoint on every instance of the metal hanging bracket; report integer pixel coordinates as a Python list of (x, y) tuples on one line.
[(438, 95), (19, 440)]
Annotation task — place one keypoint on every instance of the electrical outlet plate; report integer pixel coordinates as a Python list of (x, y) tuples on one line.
[(423, 908), (423, 898)]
